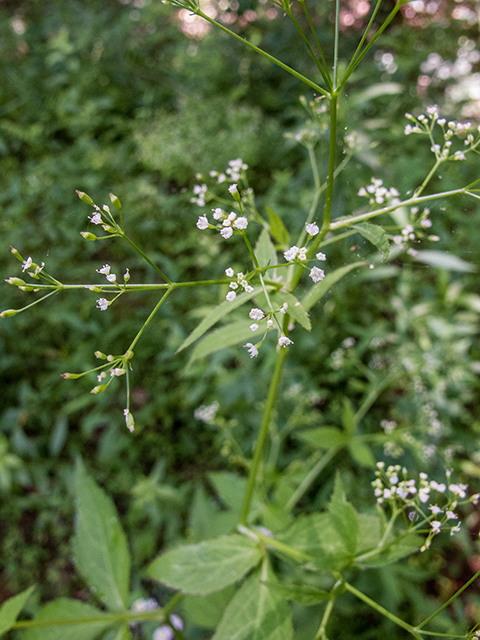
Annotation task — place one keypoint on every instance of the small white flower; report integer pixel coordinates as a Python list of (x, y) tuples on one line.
[(302, 254), (321, 256), (435, 509), (232, 189), (117, 371), (101, 376), (229, 272), (96, 218), (105, 270), (317, 274), (217, 213), (426, 222), (163, 633), (451, 515), (27, 263), (248, 288), (256, 314), (254, 327), (111, 277), (226, 232), (441, 488), (233, 285), (455, 529), (269, 323), (252, 350), (291, 254), (283, 341), (176, 622), (141, 605), (102, 304), (436, 525), (241, 223), (38, 269), (202, 222), (423, 494), (283, 308), (231, 295), (312, 229)]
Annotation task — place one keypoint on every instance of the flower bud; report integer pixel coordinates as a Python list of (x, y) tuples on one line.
[(100, 355), (129, 421), (16, 254), (115, 201), (8, 313), (109, 228), (99, 388), (15, 281), (88, 236), (70, 376), (84, 197), (128, 355), (27, 287)]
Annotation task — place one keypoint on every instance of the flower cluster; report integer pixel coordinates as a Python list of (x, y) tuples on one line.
[(235, 171), (259, 316), (230, 221), (240, 281), (414, 230), (165, 632), (299, 254), (377, 193), (206, 413), (103, 303)]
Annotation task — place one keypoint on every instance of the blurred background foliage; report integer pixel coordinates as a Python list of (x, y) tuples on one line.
[(137, 98)]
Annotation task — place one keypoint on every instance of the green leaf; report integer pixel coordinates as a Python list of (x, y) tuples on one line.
[(325, 437), (120, 634), (99, 546), (376, 235), (206, 611), (317, 292), (11, 608), (304, 594), (361, 452), (295, 308), (344, 516), (65, 609), (369, 532), (277, 229), (444, 260), (213, 316), (226, 336), (256, 613), (200, 569), (348, 417), (265, 251), (411, 543), (230, 487)]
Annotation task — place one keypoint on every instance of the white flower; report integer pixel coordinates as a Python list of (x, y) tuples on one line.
[(426, 222), (459, 489), (302, 253), (441, 488), (252, 350), (233, 285), (269, 323), (248, 288), (102, 304), (96, 218), (321, 256), (451, 515), (206, 412), (226, 232), (283, 308), (141, 605), (256, 314), (231, 295), (312, 229), (283, 341), (423, 494), (241, 223), (117, 371), (435, 509), (163, 633), (27, 263), (202, 222), (229, 272), (217, 213), (112, 277), (101, 376), (291, 254), (232, 189), (221, 178), (105, 270), (254, 327), (435, 524), (317, 274)]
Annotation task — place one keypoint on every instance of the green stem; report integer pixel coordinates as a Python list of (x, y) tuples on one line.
[(280, 64), (335, 45), (310, 478), (127, 616), (431, 173), (317, 42), (320, 635), (360, 44), (145, 257), (149, 319), (257, 458), (309, 47)]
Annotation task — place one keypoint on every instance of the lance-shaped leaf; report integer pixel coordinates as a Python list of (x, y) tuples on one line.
[(265, 251), (295, 308), (344, 517), (226, 336), (278, 229), (317, 292), (376, 235), (256, 613), (100, 547), (71, 620), (303, 594), (213, 316), (11, 608), (325, 437), (444, 260), (200, 569)]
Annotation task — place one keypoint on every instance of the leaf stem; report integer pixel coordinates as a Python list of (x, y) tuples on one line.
[(149, 319)]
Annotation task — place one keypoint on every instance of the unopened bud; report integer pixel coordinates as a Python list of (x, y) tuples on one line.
[(128, 354), (27, 287), (109, 228), (99, 388), (100, 355), (84, 197), (16, 254), (129, 421), (115, 201), (8, 313), (15, 281), (70, 376), (88, 236)]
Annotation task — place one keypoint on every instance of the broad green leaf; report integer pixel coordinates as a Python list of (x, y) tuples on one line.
[(376, 235), (265, 251), (200, 569), (99, 545), (369, 533), (256, 613), (304, 594), (295, 308), (317, 292), (325, 437), (213, 316), (277, 229), (229, 486), (361, 452), (226, 336), (86, 622), (404, 547), (123, 633), (444, 260), (206, 611), (344, 516), (348, 417), (11, 608)]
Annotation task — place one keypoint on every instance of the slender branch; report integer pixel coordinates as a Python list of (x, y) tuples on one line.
[(149, 319), (327, 80), (360, 44), (317, 42), (320, 635), (335, 45), (310, 478), (145, 257)]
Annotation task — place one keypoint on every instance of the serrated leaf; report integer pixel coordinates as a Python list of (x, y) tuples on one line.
[(206, 611), (277, 229), (444, 260), (400, 549), (200, 569), (317, 292), (226, 336), (376, 235), (325, 437), (99, 545), (213, 316), (304, 594), (348, 417), (256, 613), (295, 308), (361, 452), (65, 609), (265, 251), (11, 608), (344, 516)]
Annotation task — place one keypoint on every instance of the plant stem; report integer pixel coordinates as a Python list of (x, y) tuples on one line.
[(149, 319), (317, 42), (320, 635), (335, 45), (311, 51), (309, 478), (145, 257), (257, 458)]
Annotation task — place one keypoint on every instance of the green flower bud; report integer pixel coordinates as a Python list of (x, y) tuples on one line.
[(15, 281), (99, 388), (100, 355), (88, 236), (84, 197), (109, 228), (129, 421), (115, 201), (16, 254), (70, 376), (28, 287), (8, 313)]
